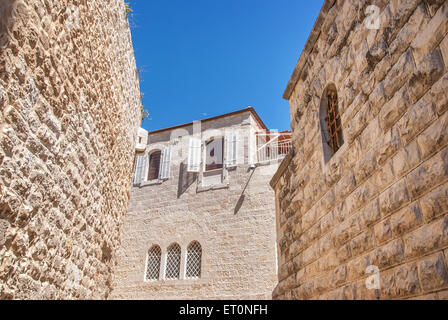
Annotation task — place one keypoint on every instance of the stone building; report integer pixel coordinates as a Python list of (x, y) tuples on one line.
[(69, 113), (201, 220), (364, 196)]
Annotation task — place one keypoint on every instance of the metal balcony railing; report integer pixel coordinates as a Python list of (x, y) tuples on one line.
[(273, 146)]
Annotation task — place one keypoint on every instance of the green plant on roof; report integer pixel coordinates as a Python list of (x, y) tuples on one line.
[(127, 8)]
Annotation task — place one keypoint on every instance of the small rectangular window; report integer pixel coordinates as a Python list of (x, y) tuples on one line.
[(154, 165), (214, 154)]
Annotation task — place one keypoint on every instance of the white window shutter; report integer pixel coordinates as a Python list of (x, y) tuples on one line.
[(235, 149), (145, 168), (231, 150), (194, 154), (139, 163), (165, 163), (227, 153)]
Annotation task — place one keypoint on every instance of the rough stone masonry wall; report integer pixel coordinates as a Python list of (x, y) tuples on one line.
[(383, 198), (69, 112)]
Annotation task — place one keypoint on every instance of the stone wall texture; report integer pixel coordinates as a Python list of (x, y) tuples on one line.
[(234, 224), (382, 199), (69, 112)]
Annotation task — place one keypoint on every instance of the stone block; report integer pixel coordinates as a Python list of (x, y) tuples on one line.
[(338, 276), (344, 254), (383, 231), (391, 142), (406, 280), (439, 94), (427, 238), (388, 255), (417, 118), (321, 284), (327, 222), (399, 74), (428, 72), (356, 268), (431, 35), (394, 109), (370, 214), (345, 185), (405, 220), (433, 273), (431, 173), (406, 159), (362, 243), (369, 137), (383, 177), (394, 198), (418, 19), (365, 167), (435, 204), (435, 137)]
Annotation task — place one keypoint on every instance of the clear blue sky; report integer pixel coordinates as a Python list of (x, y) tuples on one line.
[(202, 58)]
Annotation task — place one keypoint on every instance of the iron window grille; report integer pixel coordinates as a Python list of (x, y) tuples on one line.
[(333, 120), (172, 269), (153, 263), (194, 257)]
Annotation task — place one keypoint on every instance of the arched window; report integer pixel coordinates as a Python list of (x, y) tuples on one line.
[(330, 122), (172, 270), (153, 263), (154, 165), (194, 257)]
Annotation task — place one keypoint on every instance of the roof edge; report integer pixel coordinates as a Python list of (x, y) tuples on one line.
[(314, 35), (250, 109)]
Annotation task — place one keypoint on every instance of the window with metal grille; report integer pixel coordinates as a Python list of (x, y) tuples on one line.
[(194, 257), (173, 255), (153, 263), (154, 165), (331, 122)]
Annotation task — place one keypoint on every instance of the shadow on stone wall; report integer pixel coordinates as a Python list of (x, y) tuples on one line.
[(7, 19), (186, 179), (240, 202)]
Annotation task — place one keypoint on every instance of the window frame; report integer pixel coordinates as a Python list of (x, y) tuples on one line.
[(155, 246), (205, 153), (150, 154), (328, 144), (191, 244), (175, 244)]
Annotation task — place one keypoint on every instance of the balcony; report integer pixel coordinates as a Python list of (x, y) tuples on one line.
[(273, 146)]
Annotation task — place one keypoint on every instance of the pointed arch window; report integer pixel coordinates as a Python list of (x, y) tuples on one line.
[(153, 263), (194, 259), (173, 256), (330, 123)]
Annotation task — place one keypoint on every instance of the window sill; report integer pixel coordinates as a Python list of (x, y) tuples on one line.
[(150, 183), (213, 171), (179, 282), (201, 189)]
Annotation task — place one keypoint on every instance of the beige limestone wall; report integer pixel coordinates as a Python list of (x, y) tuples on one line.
[(237, 235), (69, 113), (382, 198)]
